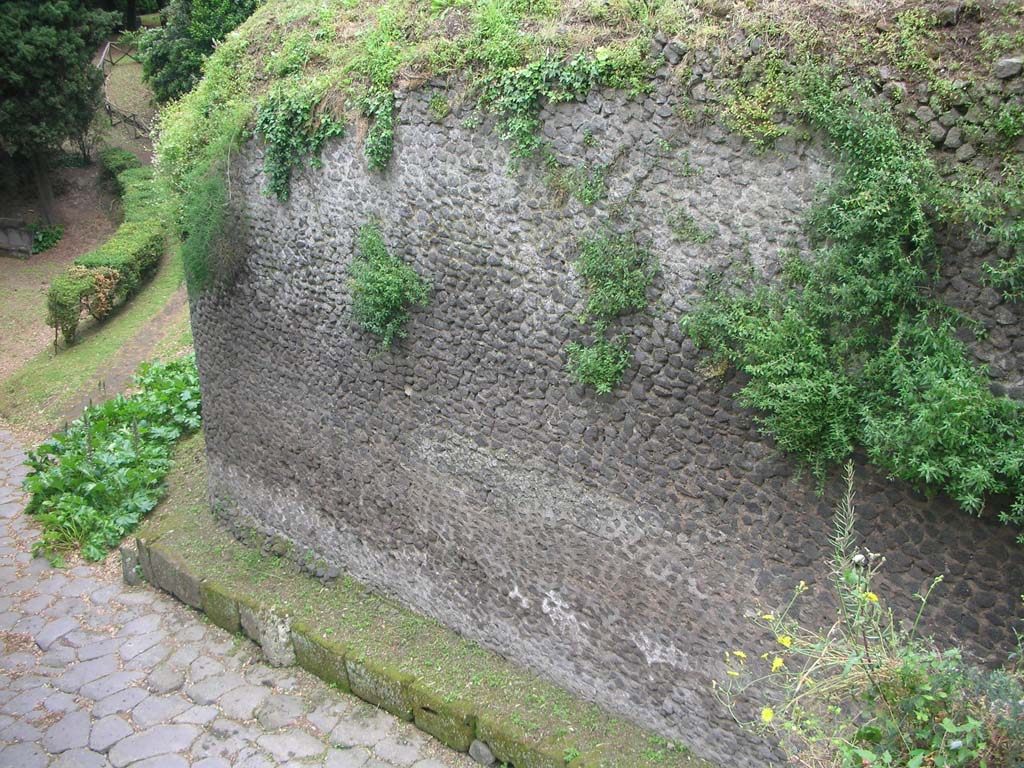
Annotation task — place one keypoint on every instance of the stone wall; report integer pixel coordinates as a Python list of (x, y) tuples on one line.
[(614, 543), (15, 238)]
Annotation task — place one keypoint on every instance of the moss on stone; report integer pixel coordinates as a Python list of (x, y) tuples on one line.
[(220, 606), (450, 721), (319, 656), (382, 684)]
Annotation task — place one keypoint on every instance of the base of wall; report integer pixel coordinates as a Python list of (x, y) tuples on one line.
[(468, 698)]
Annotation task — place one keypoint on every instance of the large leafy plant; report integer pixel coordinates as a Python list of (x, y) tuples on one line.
[(92, 483)]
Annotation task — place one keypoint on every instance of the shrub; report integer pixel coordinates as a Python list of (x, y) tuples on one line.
[(44, 237), (383, 287), (92, 483), (173, 56), (852, 350), (116, 270), (617, 272), (113, 162), (602, 364), (868, 690)]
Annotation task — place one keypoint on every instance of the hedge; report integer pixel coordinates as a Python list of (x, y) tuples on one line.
[(112, 273)]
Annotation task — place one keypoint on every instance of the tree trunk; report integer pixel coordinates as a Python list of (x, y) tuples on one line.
[(47, 207), (131, 18)]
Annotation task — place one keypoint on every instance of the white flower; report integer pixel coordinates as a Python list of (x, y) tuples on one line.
[(858, 559), (955, 744)]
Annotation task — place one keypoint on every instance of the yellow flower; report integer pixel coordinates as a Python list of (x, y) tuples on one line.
[(777, 664), (768, 617), (871, 597), (740, 655), (732, 673), (767, 715), (785, 641)]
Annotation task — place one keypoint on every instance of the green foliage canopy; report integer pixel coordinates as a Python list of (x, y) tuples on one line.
[(172, 56), (48, 88)]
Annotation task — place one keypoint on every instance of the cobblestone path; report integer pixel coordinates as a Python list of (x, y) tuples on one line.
[(94, 673)]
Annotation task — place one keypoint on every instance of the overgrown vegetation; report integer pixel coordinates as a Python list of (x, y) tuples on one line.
[(99, 280), (45, 237), (852, 350), (173, 55), (384, 288), (293, 130), (617, 272), (92, 483), (868, 691)]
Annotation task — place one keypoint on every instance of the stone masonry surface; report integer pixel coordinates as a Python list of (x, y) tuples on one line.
[(94, 674), (612, 543)]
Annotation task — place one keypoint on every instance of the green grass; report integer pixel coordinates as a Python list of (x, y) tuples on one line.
[(36, 396)]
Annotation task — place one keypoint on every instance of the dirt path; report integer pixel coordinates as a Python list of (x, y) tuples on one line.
[(117, 374), (87, 212)]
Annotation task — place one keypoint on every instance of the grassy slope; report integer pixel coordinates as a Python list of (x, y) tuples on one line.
[(37, 397), (380, 630)]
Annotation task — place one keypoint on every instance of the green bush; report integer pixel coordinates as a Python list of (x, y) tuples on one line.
[(173, 56), (617, 271), (116, 270), (92, 483), (383, 287), (868, 691), (602, 364), (113, 162), (293, 130), (852, 349), (44, 237)]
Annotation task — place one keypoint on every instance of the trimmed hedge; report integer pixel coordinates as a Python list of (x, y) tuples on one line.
[(112, 273)]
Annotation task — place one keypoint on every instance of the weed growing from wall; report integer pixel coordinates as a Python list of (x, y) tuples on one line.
[(294, 129), (617, 272), (852, 350), (384, 288)]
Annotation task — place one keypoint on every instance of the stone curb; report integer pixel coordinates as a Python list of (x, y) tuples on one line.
[(459, 725)]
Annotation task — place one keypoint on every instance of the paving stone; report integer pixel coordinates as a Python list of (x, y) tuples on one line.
[(200, 715), (133, 646), (363, 731), (430, 763), (54, 631), (162, 761), (59, 656), (158, 709), (401, 751), (165, 679), (203, 668), (107, 731), (109, 684), (140, 626), (122, 701), (95, 650), (212, 762), (212, 688), (81, 758), (85, 672), (356, 757), (242, 702), (26, 701), (60, 702), (20, 730), (23, 756), (291, 744), (158, 740), (280, 710), (70, 732)]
